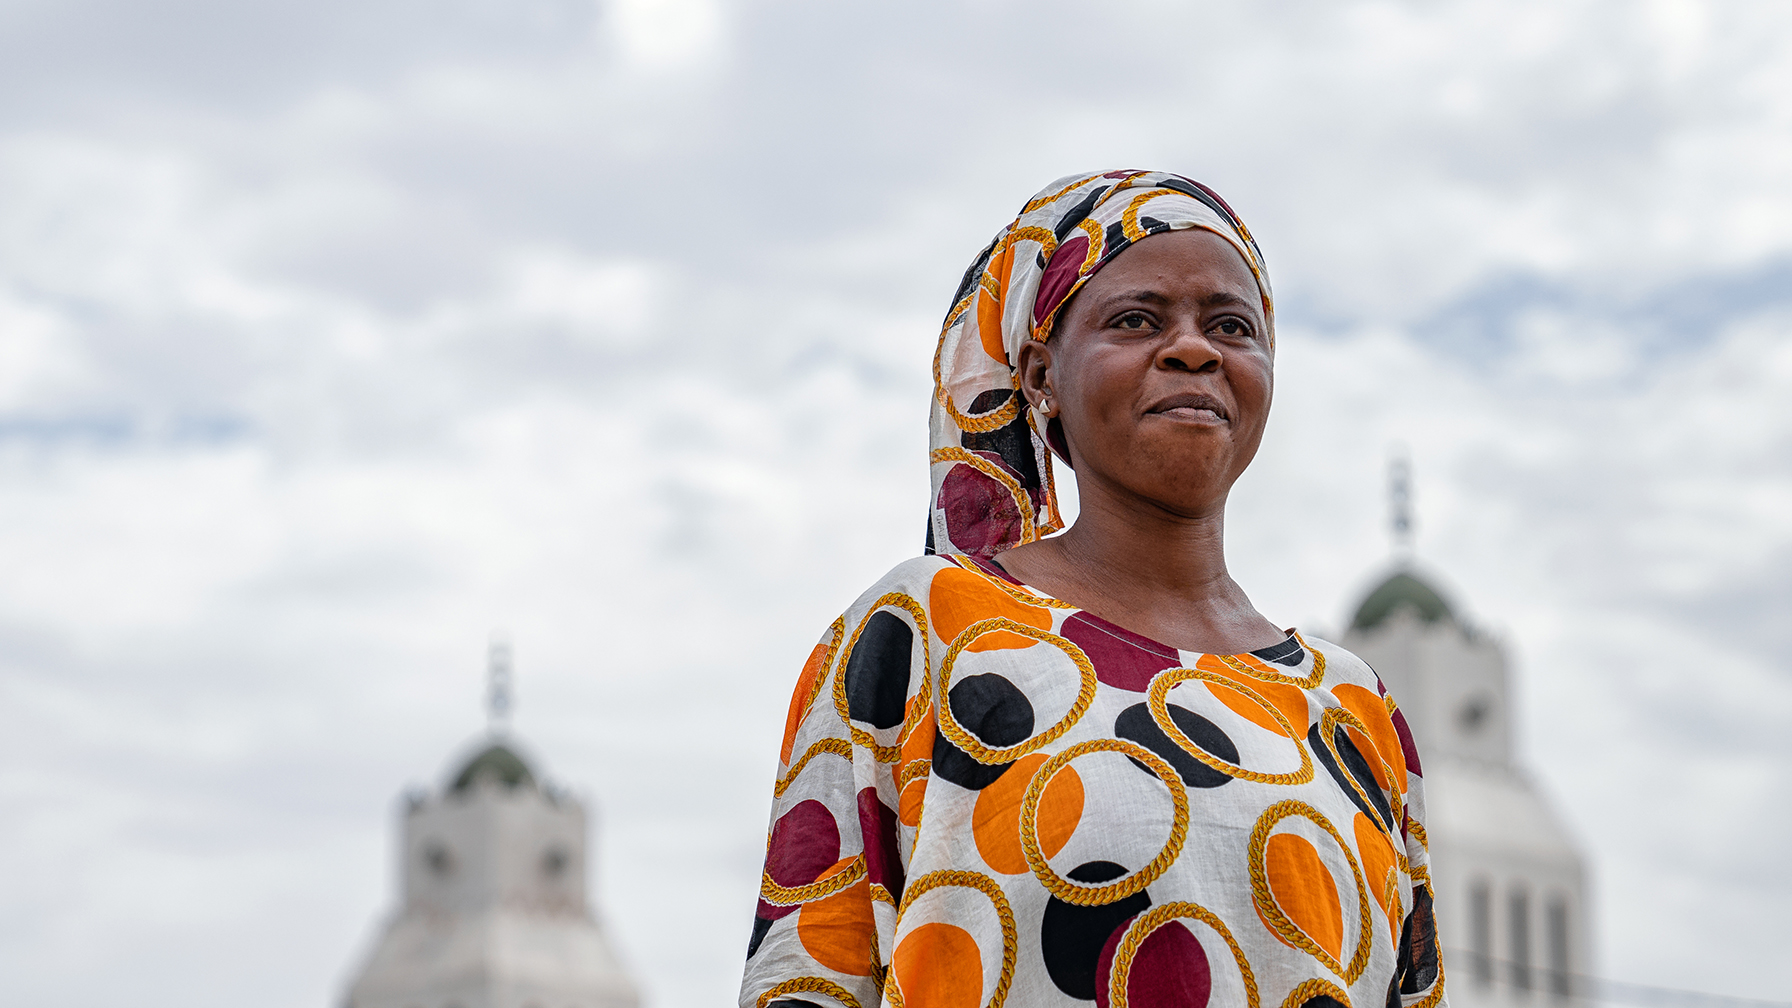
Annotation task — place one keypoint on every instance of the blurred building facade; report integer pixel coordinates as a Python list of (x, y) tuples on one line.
[(492, 908), (1510, 881)]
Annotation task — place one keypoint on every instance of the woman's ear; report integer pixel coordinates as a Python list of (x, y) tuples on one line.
[(1033, 364)]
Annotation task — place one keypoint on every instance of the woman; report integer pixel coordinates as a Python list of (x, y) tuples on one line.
[(989, 793)]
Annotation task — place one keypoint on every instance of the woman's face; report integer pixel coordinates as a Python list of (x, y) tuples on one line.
[(1159, 370)]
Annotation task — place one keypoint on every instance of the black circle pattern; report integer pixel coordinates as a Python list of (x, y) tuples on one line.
[(1357, 766), (997, 713), (1071, 937), (1135, 723), (877, 673)]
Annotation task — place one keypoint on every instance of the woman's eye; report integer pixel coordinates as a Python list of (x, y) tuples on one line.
[(1134, 321), (1232, 327)]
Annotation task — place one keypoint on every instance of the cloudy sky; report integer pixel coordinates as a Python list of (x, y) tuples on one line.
[(335, 336)]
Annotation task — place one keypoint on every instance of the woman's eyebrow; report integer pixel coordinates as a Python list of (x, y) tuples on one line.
[(1225, 298), (1146, 295), (1159, 298)]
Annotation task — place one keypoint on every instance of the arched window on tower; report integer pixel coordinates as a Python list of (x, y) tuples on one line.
[(1480, 932), (438, 859), (1561, 974), (1519, 935)]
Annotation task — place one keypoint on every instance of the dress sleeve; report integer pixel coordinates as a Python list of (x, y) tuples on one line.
[(1419, 980), (834, 864)]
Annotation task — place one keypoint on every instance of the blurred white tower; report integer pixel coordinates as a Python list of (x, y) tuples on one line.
[(493, 912), (1510, 881)]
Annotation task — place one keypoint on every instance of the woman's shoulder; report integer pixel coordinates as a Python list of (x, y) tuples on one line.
[(909, 580), (1342, 665), (962, 584)]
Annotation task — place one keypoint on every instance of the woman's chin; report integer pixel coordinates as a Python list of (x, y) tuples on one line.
[(1199, 455), (1194, 489)]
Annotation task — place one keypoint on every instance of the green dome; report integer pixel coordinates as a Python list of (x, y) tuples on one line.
[(1401, 589), (499, 763)]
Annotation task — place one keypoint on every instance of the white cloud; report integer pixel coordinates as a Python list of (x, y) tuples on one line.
[(664, 35), (615, 332), (604, 301)]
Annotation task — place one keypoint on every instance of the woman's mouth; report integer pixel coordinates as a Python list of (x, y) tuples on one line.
[(1191, 406)]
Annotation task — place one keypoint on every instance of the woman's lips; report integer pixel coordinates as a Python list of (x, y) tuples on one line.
[(1191, 407), (1192, 413)]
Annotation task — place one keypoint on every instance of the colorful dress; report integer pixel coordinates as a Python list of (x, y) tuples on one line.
[(987, 797)]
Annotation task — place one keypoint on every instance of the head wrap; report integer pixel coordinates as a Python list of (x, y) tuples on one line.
[(991, 463)]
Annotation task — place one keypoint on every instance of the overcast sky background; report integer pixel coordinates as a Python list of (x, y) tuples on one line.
[(334, 336)]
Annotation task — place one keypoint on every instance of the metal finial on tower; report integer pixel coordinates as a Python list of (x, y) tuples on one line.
[(1400, 502), (497, 697)]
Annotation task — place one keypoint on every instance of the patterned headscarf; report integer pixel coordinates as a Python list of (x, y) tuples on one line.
[(991, 463)]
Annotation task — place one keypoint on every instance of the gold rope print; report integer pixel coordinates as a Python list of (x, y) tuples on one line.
[(948, 724), (1129, 218), (993, 471), (1157, 701), (917, 707), (1017, 594), (838, 746), (836, 631), (1047, 241), (1076, 893), (810, 985), (1097, 243), (946, 878), (920, 707), (1314, 988), (1329, 719), (963, 305), (878, 969), (1002, 414), (1272, 913), (987, 421), (1127, 184), (777, 895), (992, 420), (1148, 922), (1390, 892), (1267, 674), (912, 771), (1036, 203)]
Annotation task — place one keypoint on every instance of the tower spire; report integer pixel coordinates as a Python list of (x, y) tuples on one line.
[(497, 696), (1400, 502)]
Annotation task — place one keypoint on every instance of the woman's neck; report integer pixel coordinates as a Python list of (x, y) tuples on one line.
[(1152, 571)]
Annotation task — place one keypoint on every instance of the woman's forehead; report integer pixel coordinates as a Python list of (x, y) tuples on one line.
[(1173, 266)]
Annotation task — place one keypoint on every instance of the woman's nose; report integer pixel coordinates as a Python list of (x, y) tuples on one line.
[(1187, 348)]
